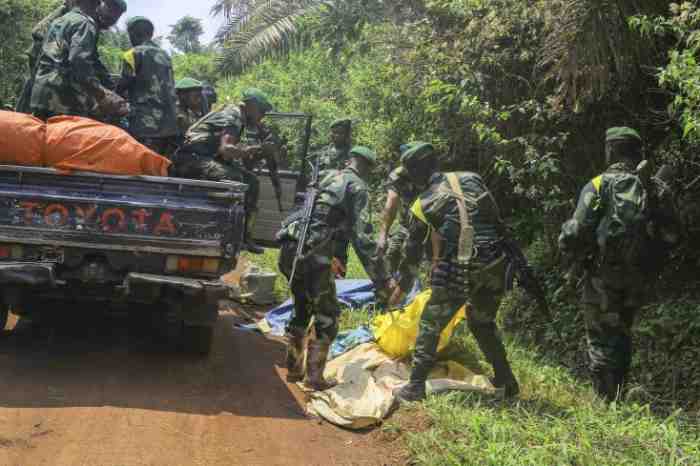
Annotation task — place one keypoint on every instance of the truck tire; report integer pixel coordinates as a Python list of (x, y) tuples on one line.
[(4, 313), (197, 339)]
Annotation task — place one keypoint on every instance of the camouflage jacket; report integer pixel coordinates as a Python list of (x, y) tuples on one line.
[(39, 34), (436, 209), (69, 73), (147, 78), (578, 235), (185, 119), (341, 210), (333, 158), (204, 137), (401, 184)]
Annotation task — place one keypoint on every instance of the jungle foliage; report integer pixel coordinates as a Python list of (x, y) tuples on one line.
[(521, 92)]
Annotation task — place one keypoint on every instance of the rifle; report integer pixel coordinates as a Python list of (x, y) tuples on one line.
[(309, 201), (520, 268)]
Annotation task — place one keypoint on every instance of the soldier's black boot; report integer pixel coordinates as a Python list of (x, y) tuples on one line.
[(248, 243), (295, 354), (414, 390), (605, 384), (492, 347), (316, 364)]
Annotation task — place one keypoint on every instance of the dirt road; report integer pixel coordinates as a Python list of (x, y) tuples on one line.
[(99, 392)]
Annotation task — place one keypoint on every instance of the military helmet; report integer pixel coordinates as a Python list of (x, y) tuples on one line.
[(136, 20), (364, 153), (258, 97), (188, 84)]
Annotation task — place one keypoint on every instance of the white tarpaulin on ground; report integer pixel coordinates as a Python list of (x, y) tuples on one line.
[(367, 378)]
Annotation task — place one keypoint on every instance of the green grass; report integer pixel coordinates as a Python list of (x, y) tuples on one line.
[(557, 420)]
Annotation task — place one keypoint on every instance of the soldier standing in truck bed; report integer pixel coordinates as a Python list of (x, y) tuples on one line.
[(147, 80), (70, 78)]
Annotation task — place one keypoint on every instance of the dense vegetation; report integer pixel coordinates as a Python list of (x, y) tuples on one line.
[(521, 91), (496, 85)]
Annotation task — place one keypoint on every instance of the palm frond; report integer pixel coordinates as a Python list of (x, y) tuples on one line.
[(590, 47), (267, 27)]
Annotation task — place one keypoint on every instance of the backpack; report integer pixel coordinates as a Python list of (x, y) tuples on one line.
[(622, 234)]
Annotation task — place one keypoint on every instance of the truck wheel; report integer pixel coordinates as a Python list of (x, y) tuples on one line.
[(197, 339), (4, 312)]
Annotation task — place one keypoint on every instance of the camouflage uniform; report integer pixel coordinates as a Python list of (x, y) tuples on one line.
[(611, 303), (197, 158), (401, 184), (435, 217), (147, 77), (612, 296), (334, 158), (70, 77), (34, 52), (340, 210), (186, 117)]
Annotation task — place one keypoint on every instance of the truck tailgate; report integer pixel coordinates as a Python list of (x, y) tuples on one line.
[(127, 213)]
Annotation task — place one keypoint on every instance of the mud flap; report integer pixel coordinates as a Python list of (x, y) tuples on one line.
[(199, 305), (27, 274)]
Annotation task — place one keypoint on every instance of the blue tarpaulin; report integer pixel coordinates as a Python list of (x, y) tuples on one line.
[(351, 293)]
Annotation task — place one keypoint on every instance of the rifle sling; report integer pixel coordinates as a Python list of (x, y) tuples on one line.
[(466, 232)]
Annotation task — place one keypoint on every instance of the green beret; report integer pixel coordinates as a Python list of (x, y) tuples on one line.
[(345, 123), (188, 84), (121, 4), (136, 20), (415, 151), (259, 97), (622, 132), (364, 153)]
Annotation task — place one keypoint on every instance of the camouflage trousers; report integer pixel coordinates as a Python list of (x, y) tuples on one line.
[(394, 250), (609, 315), (484, 296), (313, 291), (199, 167)]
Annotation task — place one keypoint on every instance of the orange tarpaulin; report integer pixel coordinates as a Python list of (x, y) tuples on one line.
[(75, 143), (22, 139)]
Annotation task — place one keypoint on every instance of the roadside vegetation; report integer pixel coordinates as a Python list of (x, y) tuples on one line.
[(522, 92)]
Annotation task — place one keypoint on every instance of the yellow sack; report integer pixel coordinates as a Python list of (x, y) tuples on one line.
[(396, 332)]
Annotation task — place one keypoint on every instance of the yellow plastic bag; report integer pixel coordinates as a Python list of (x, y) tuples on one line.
[(396, 332)]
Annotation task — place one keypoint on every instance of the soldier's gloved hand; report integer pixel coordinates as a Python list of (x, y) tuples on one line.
[(111, 104)]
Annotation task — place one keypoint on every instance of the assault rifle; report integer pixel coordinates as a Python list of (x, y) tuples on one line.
[(520, 268), (309, 200)]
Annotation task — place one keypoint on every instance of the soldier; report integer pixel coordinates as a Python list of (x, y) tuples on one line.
[(214, 150), (341, 207), (147, 79), (335, 155), (609, 234), (401, 193), (33, 52), (189, 105), (70, 79), (460, 216)]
